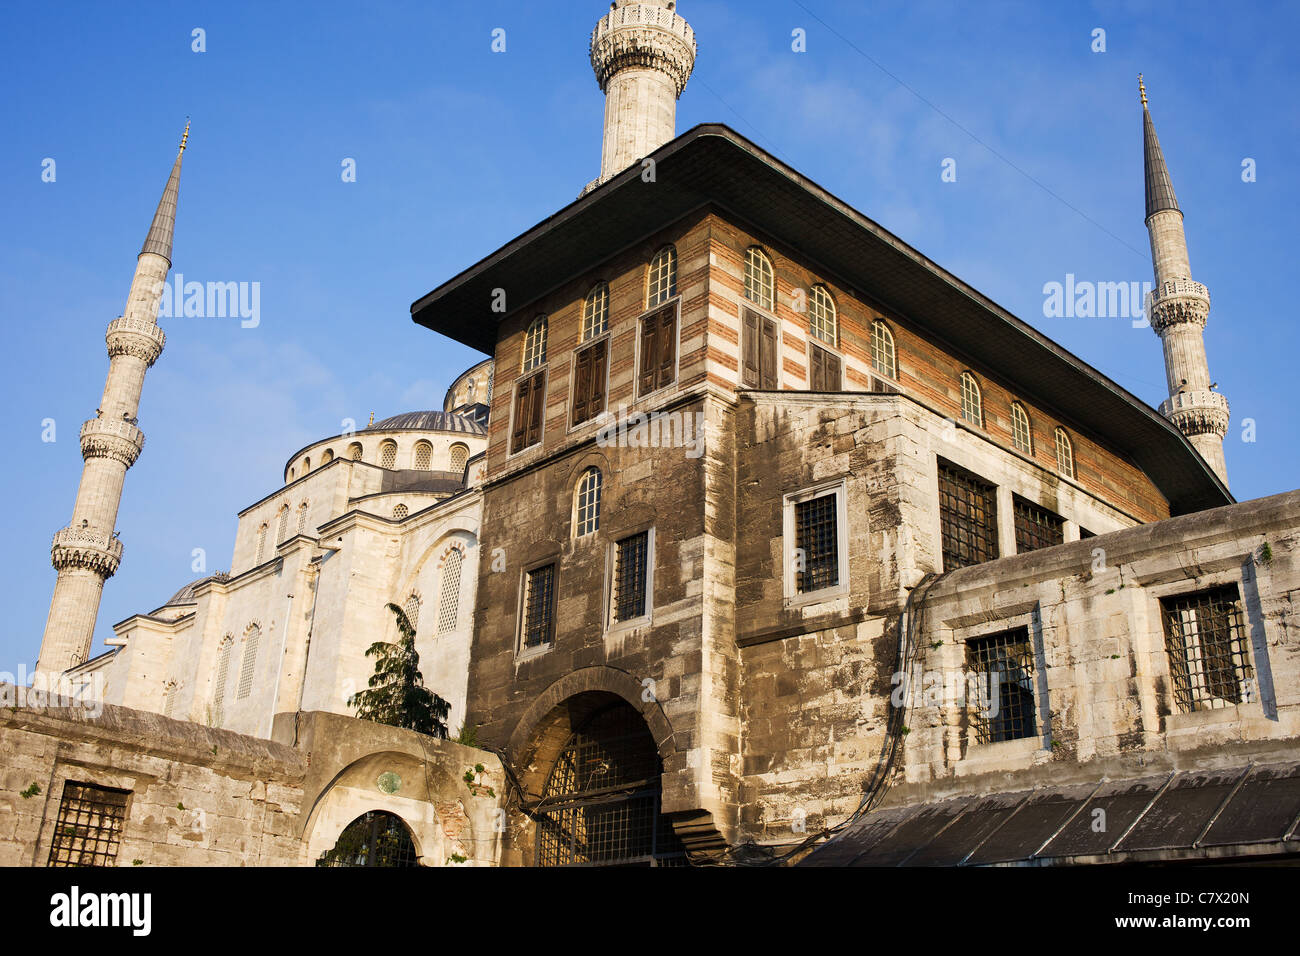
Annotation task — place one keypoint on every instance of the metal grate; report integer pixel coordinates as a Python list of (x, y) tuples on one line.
[(968, 519), (223, 668), (601, 803), (661, 283), (89, 826), (1036, 527), (1003, 707), (249, 663), (630, 555), (376, 838), (459, 457), (1207, 651), (424, 456), (449, 600), (817, 541), (388, 455), (540, 593)]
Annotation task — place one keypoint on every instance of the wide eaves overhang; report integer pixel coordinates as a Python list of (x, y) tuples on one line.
[(713, 166)]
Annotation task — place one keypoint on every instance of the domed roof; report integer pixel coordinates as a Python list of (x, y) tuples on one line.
[(186, 594), (429, 421)]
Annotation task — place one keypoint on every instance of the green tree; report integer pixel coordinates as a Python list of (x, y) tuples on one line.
[(397, 695)]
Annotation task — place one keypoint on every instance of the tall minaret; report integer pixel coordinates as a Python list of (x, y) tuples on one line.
[(643, 54), (87, 551), (1178, 311)]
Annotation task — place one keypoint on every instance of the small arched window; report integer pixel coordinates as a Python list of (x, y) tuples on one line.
[(595, 311), (282, 525), (884, 358), (459, 456), (412, 610), (449, 598), (302, 518), (388, 455), (423, 456), (326, 457), (291, 474), (252, 637), (1064, 453), (306, 465), (223, 669), (535, 344), (261, 542), (661, 280), (354, 451), (169, 699), (1021, 435), (760, 281), (587, 502), (972, 401), (823, 320), (400, 512)]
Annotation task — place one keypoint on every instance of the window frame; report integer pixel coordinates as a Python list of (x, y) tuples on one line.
[(763, 318), (543, 322), (444, 594), (585, 336), (675, 304), (578, 533), (977, 738), (670, 248), (604, 340), (968, 376), (115, 833), (611, 571), (813, 343), (833, 342), (1072, 472), (766, 260), (1247, 678), (992, 528), (1020, 505), (524, 651), (794, 597), (893, 350), (511, 451), (1028, 448)]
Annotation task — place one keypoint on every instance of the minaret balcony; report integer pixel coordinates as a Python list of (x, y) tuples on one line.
[(105, 438), (1177, 301), (642, 35), (134, 336), (85, 549), (1197, 412)]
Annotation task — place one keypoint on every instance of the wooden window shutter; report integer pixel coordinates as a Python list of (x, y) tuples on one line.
[(536, 408), (832, 372), (522, 393), (823, 370), (582, 387), (749, 348), (599, 361), (767, 355), (667, 346), (649, 355)]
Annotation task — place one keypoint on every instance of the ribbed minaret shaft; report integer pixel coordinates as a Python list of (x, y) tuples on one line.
[(1179, 309), (87, 552), (643, 54)]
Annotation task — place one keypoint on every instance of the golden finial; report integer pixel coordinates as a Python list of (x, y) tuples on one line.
[(186, 134), (1142, 90), (372, 419)]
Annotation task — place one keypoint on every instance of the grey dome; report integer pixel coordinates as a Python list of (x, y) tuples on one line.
[(429, 421)]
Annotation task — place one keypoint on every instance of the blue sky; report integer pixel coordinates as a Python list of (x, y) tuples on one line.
[(459, 149)]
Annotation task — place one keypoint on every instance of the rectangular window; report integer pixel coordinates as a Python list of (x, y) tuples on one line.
[(589, 381), (1003, 706), (823, 370), (1036, 527), (817, 560), (530, 404), (631, 560), (1206, 644), (759, 338), (539, 606), (658, 350), (968, 518), (89, 827)]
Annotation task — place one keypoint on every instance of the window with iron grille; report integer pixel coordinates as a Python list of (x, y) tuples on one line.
[(388, 455), (539, 606), (412, 611), (661, 281), (1003, 706), (249, 663), (355, 451), (169, 699), (89, 826), (400, 512), (423, 456), (760, 284), (816, 536), (449, 600), (1036, 527), (968, 518), (282, 526), (302, 518), (1208, 658), (376, 838), (459, 457), (631, 557), (261, 543), (223, 668)]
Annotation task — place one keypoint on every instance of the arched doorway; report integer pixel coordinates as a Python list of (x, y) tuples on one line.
[(600, 804), (376, 838)]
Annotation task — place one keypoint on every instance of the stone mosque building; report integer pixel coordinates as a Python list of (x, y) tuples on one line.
[(757, 538)]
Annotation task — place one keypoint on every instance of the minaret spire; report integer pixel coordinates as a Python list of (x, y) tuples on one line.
[(87, 552), (1179, 308)]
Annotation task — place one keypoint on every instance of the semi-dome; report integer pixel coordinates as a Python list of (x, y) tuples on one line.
[(428, 421)]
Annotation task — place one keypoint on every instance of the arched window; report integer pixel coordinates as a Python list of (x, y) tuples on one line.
[(400, 512), (884, 359), (603, 797), (223, 668), (326, 457), (760, 281), (972, 402), (261, 542), (354, 451), (412, 610), (822, 319), (1021, 435), (388, 455), (588, 502), (291, 474), (535, 344), (306, 465), (459, 456), (252, 637), (1064, 453), (282, 525), (661, 280), (423, 456), (376, 838), (302, 518), (449, 597), (169, 699), (595, 311)]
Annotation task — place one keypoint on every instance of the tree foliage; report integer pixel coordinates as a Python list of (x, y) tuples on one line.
[(397, 695)]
